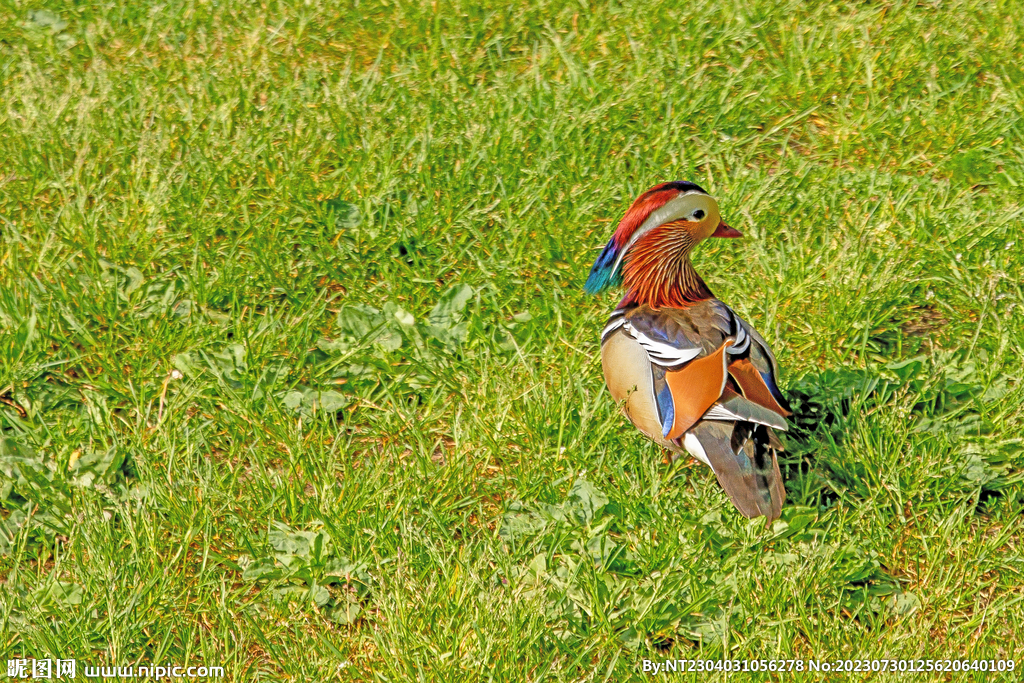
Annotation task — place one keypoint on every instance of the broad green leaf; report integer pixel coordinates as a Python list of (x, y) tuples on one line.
[(345, 611), (45, 19), (263, 569), (59, 594), (450, 305), (585, 502)]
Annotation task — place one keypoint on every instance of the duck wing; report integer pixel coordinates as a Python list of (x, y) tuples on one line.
[(703, 380)]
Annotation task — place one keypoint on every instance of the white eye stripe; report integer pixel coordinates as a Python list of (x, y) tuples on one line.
[(670, 211)]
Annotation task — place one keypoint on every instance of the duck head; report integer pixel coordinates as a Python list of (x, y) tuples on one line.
[(650, 249), (671, 217)]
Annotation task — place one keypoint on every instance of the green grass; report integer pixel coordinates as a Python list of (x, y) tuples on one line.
[(213, 453)]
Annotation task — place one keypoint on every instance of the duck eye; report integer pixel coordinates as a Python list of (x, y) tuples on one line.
[(698, 214)]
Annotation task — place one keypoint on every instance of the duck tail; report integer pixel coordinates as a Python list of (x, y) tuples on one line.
[(744, 457)]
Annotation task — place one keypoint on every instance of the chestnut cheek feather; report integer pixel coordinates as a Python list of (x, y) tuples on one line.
[(657, 271)]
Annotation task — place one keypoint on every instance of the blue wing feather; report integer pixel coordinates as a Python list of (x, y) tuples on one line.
[(667, 409), (663, 396), (769, 382)]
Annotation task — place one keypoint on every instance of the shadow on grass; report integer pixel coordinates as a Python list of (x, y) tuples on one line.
[(821, 406), (945, 397)]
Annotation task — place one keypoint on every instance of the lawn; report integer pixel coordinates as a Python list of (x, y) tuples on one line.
[(298, 378)]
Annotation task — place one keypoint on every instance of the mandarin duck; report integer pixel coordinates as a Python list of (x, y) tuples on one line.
[(688, 372)]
